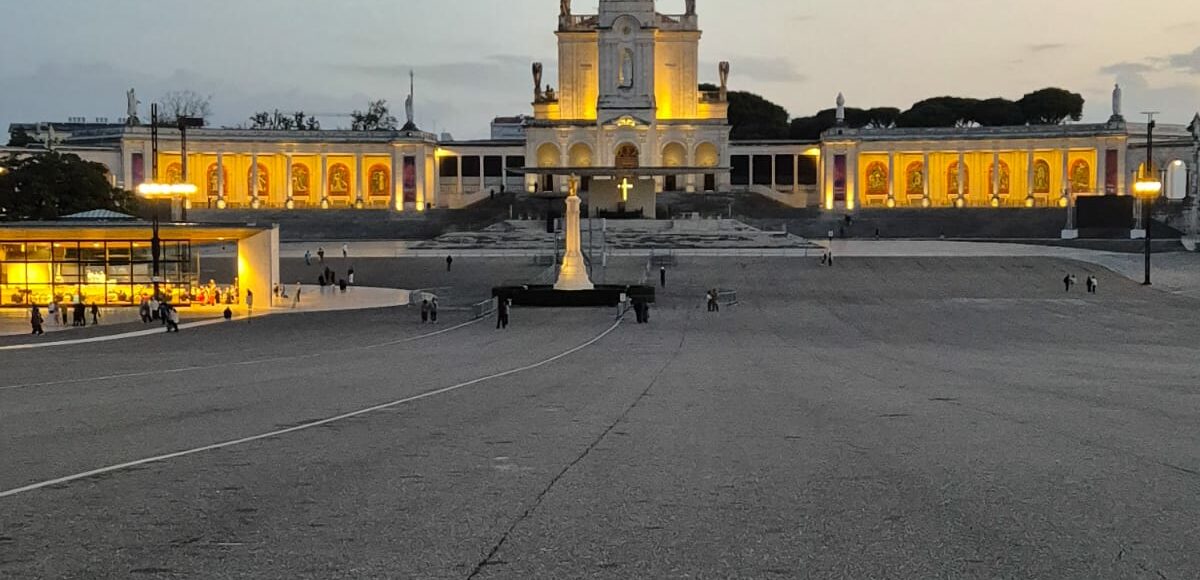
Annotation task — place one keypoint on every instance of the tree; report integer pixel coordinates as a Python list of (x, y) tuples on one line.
[(882, 117), (50, 185), (997, 113), (939, 112), (176, 104), (754, 117), (281, 121), (376, 118), (1051, 106)]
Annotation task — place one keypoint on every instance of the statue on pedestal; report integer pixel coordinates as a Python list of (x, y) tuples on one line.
[(131, 108), (537, 82), (841, 109), (691, 8), (1116, 103), (723, 69)]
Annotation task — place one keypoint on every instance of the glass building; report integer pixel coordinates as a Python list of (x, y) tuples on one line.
[(106, 273)]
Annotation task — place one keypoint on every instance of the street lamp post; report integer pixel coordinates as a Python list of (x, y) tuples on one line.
[(155, 192), (1147, 188)]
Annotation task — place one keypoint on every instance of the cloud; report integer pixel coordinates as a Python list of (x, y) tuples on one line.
[(1126, 68), (1188, 62), (1036, 48), (760, 69)]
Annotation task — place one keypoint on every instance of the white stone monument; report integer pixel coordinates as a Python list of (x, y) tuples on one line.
[(573, 276)]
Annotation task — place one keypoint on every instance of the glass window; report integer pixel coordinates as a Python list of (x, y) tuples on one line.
[(39, 252), (171, 251), (71, 251), (59, 251), (11, 252), (142, 252), (119, 274), (470, 166), (92, 252), (118, 251)]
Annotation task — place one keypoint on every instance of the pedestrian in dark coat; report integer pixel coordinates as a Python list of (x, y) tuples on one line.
[(662, 276), (35, 320), (449, 262), (95, 314), (502, 314), (424, 311)]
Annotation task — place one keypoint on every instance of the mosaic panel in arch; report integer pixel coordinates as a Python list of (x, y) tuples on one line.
[(952, 179), (301, 180), (877, 178), (1081, 176), (339, 180), (1041, 177), (379, 181), (216, 187), (175, 173), (1005, 179), (264, 181), (914, 178)]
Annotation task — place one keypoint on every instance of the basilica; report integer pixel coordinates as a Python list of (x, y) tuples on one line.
[(629, 121)]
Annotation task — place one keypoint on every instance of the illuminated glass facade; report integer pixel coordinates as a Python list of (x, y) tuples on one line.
[(112, 273)]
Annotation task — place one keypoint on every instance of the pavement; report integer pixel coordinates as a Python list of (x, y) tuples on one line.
[(884, 418)]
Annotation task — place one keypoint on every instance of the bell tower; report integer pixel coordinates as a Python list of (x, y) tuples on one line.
[(627, 31)]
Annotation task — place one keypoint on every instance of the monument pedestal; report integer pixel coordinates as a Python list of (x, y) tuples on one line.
[(573, 276)]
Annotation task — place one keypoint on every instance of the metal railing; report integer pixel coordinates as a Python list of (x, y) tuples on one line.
[(483, 309)]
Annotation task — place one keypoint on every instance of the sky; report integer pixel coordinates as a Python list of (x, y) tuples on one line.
[(69, 58)]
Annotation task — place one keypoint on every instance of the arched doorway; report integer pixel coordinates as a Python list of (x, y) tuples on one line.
[(580, 155), (548, 155), (707, 155), (673, 155), (627, 157), (1177, 180)]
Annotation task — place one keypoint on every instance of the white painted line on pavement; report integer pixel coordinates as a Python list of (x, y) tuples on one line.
[(111, 337), (238, 364), (306, 426)]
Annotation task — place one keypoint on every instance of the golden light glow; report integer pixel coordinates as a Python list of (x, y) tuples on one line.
[(891, 202), (813, 152), (1147, 188), (995, 202), (1063, 202), (1029, 202), (626, 122), (625, 187), (960, 203), (151, 190)]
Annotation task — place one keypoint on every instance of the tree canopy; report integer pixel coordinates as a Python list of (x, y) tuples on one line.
[(1051, 106), (754, 117), (50, 185), (377, 117), (176, 104), (281, 121)]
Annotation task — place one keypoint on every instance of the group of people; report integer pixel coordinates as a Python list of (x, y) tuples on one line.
[(1093, 283), (77, 312), (152, 309), (714, 300), (641, 309), (429, 310), (321, 254)]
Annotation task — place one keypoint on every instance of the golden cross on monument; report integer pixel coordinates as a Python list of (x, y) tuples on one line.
[(625, 187)]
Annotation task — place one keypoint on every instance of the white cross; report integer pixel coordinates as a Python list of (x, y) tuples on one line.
[(625, 187)]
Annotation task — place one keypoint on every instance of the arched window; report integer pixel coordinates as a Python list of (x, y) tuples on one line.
[(877, 178), (175, 173), (1005, 179), (914, 178)]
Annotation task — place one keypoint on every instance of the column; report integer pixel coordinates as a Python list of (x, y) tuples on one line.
[(458, 182), (750, 165), (826, 177), (148, 162), (925, 201), (1121, 169), (290, 202), (796, 173), (358, 179), (482, 175), (324, 181), (126, 167), (1029, 176), (1101, 169), (221, 203), (422, 163), (1066, 175), (962, 187), (891, 200), (254, 201), (503, 172), (851, 178), (397, 200), (773, 168), (995, 171)]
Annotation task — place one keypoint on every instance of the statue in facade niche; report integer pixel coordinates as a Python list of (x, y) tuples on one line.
[(625, 80)]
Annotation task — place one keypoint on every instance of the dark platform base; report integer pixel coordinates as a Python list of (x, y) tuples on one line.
[(548, 297)]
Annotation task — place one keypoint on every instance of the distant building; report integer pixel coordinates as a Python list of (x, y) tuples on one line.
[(510, 128)]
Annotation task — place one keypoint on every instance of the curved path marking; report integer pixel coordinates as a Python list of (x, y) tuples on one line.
[(305, 426), (237, 364)]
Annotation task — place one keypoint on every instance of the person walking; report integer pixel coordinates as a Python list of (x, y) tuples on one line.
[(64, 315), (449, 262), (502, 314), (345, 251), (249, 305), (35, 320), (152, 306), (52, 312), (662, 276), (1095, 285), (296, 300), (1067, 282), (350, 276), (433, 310), (172, 318), (307, 257), (95, 315), (321, 254), (80, 315), (425, 311)]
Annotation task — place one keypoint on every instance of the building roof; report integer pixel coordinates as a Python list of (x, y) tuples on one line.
[(99, 231), (99, 215)]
